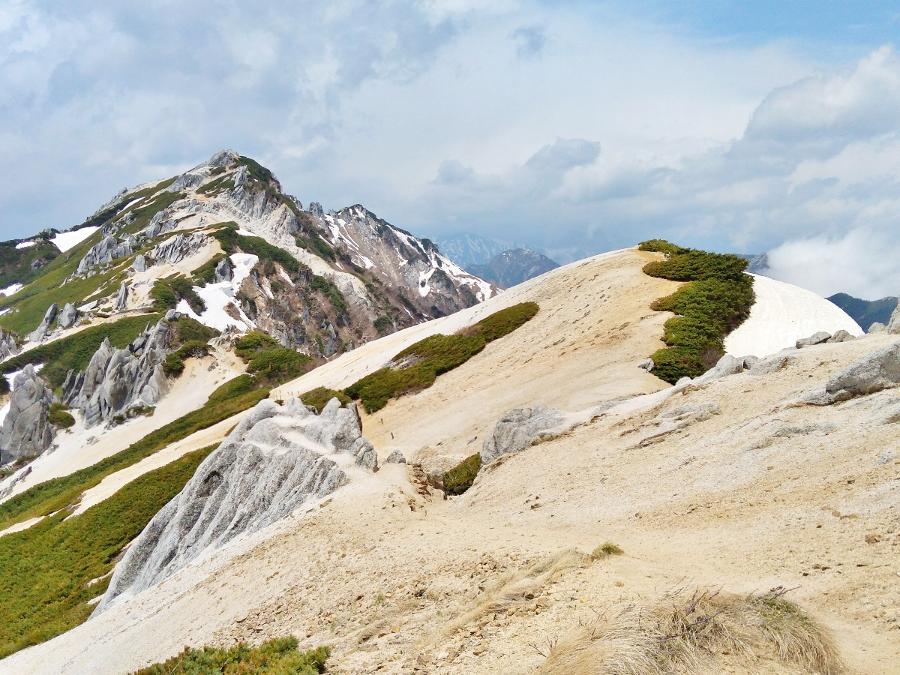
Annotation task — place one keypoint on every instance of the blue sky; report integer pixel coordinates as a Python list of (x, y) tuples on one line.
[(576, 127)]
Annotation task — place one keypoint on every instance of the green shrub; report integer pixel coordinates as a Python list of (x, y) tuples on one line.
[(275, 657), (21, 265), (233, 388), (217, 186), (185, 329), (48, 568), (173, 365), (384, 325), (254, 342), (59, 416), (606, 550), (316, 244), (206, 273), (232, 242), (167, 292), (319, 397), (332, 292), (274, 366), (715, 300), (257, 170), (144, 213), (460, 478), (416, 367)]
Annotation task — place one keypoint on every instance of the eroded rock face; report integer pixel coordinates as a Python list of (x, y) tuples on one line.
[(121, 298), (894, 324), (517, 430), (68, 316), (273, 461), (26, 432), (41, 331), (814, 339), (177, 248), (877, 371), (105, 252), (119, 379), (8, 346)]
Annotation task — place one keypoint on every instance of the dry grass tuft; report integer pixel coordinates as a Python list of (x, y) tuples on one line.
[(518, 588), (606, 550), (694, 633)]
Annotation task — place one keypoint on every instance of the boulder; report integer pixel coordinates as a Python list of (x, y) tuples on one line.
[(840, 336), (104, 252), (68, 316), (893, 326), (814, 339), (277, 458), (772, 364), (121, 300), (140, 263), (117, 380), (8, 345), (877, 327), (396, 457), (877, 371), (26, 431), (223, 270), (727, 365), (646, 364), (41, 331), (517, 429)]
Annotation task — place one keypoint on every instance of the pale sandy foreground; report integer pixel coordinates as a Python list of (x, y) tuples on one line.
[(757, 494)]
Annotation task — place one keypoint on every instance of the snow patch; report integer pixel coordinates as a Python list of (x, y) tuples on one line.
[(11, 289), (25, 244), (218, 296), (66, 240), (781, 315)]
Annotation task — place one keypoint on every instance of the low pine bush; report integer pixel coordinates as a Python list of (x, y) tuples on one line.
[(59, 416), (715, 300), (274, 657), (460, 478), (417, 366), (318, 398)]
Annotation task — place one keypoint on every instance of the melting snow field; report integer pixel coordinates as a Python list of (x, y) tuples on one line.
[(25, 244), (782, 314), (66, 240), (218, 296), (10, 290)]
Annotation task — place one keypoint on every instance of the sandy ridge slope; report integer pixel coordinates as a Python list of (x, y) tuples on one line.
[(754, 495)]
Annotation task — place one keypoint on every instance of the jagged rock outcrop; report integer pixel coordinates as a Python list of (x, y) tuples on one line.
[(117, 380), (8, 345), (517, 429), (840, 336), (894, 326), (26, 431), (223, 271), (396, 457), (877, 371), (41, 331), (121, 300), (104, 252), (275, 459), (877, 328), (177, 248), (68, 316), (140, 263)]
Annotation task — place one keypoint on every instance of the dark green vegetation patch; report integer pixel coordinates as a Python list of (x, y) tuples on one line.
[(168, 291), (21, 265), (460, 478), (275, 657), (319, 397), (268, 361), (46, 571), (59, 416), (206, 273), (232, 242), (715, 300), (173, 365), (417, 366)]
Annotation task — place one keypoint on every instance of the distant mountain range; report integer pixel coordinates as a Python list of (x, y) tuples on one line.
[(495, 260), (866, 312)]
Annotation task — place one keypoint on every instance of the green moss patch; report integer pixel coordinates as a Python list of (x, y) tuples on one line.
[(460, 478), (60, 417), (232, 242), (715, 299), (268, 361), (275, 657), (168, 291), (48, 572), (319, 397), (417, 366)]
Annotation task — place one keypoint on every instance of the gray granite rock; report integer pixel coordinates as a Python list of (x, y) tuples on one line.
[(277, 458), (877, 371), (26, 431), (840, 336), (396, 457), (517, 429), (121, 301), (814, 339), (8, 345), (67, 317), (41, 331)]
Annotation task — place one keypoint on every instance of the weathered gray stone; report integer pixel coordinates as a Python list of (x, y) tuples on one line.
[(814, 339), (117, 380), (877, 327), (893, 326), (140, 263), (517, 429), (175, 249), (104, 252), (396, 457), (26, 431), (68, 316), (8, 345), (772, 364), (121, 301), (877, 371), (41, 331), (272, 462), (727, 365), (316, 209), (840, 336), (646, 364), (223, 270)]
